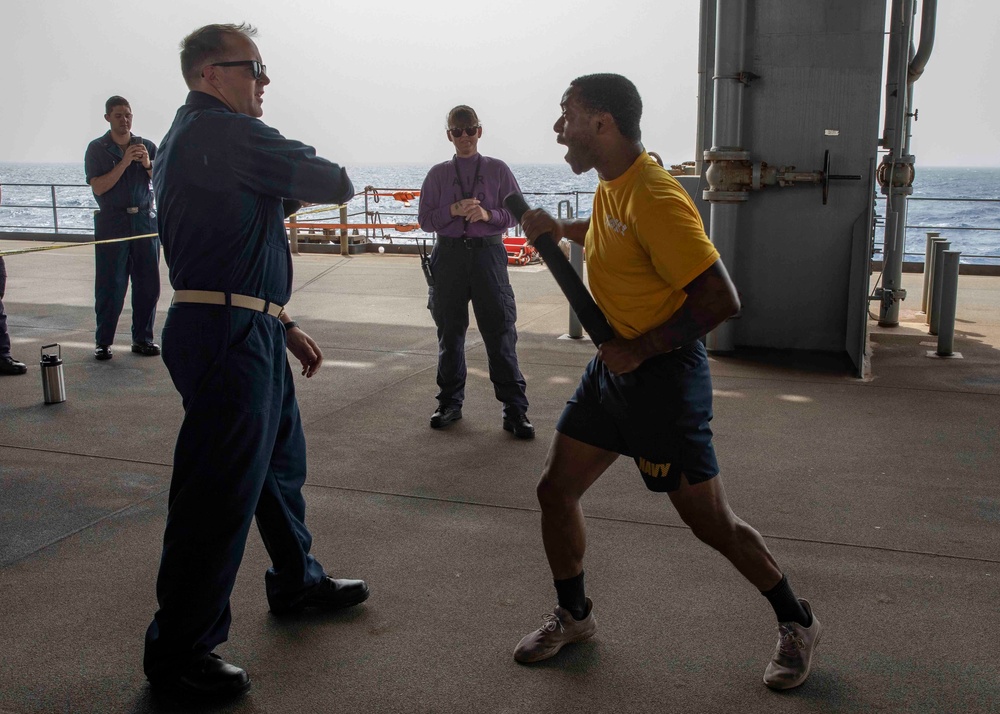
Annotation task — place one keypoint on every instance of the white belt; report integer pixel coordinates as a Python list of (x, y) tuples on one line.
[(211, 297)]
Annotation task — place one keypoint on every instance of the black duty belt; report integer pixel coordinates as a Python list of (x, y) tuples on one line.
[(131, 210), (481, 242)]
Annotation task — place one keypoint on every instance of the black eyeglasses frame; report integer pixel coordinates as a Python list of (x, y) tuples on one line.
[(256, 68), (468, 131)]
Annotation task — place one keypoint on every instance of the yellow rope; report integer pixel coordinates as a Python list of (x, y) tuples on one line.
[(319, 209), (21, 251)]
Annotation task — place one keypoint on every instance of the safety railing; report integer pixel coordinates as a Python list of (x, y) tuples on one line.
[(378, 215), (381, 213), (967, 256), (45, 213)]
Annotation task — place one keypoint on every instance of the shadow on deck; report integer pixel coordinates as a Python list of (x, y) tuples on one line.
[(878, 497)]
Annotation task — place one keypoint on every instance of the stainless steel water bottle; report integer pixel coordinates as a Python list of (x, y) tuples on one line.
[(53, 382)]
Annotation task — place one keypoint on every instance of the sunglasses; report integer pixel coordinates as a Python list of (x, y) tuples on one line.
[(256, 68), (469, 131)]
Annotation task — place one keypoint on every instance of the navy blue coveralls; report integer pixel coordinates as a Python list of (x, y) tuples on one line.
[(4, 337), (241, 452), (135, 259)]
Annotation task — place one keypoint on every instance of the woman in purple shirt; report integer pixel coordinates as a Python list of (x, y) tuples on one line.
[(461, 201)]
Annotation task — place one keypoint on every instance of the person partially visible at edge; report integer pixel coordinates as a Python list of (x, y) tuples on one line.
[(8, 365), (461, 200), (224, 181), (118, 167), (647, 394)]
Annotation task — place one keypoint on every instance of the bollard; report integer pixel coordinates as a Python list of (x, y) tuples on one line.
[(929, 276), (935, 302), (948, 303), (928, 254), (576, 260), (53, 382), (293, 235), (345, 248)]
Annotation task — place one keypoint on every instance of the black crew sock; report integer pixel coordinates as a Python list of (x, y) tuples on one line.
[(571, 596), (786, 606)]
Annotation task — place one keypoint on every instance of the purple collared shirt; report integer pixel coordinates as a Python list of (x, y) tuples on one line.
[(441, 188)]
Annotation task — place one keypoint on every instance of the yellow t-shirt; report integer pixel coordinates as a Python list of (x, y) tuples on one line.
[(644, 244)]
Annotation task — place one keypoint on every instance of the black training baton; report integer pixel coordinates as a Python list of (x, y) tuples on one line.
[(591, 317)]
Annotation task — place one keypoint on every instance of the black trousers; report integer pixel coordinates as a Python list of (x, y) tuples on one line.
[(241, 454), (116, 263), (4, 337), (463, 272)]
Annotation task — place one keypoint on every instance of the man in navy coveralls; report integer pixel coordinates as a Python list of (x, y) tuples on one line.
[(220, 180), (118, 167)]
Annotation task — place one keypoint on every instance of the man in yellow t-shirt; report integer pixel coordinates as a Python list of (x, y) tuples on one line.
[(648, 392)]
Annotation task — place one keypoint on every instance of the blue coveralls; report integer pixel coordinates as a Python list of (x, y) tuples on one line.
[(4, 337), (219, 181), (135, 259)]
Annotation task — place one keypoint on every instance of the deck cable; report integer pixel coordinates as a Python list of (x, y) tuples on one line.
[(498, 506), (630, 521)]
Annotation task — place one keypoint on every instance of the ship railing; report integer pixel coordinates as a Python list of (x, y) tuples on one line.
[(48, 199), (48, 204), (966, 258), (380, 215)]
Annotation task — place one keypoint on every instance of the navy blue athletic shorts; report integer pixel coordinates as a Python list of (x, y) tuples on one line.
[(658, 415)]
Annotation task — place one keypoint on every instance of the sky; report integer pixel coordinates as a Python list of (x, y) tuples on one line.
[(371, 82)]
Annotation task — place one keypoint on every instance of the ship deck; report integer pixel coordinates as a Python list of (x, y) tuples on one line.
[(878, 497)]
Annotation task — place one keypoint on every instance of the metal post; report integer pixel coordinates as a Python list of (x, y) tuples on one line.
[(930, 281), (576, 260), (727, 136), (928, 253), (949, 302), (939, 248), (293, 233), (55, 213), (898, 161), (344, 248)]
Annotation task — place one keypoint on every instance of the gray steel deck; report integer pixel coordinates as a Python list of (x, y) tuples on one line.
[(879, 497)]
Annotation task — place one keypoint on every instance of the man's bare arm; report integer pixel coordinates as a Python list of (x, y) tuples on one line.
[(103, 184), (711, 299), (575, 231), (537, 222)]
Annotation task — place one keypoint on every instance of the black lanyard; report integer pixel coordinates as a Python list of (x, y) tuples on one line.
[(475, 178)]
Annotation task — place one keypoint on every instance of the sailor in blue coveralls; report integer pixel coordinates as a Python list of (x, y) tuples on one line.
[(220, 180), (118, 167)]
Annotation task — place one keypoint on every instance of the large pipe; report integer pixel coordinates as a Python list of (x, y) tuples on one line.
[(706, 53), (896, 187), (727, 135), (928, 24)]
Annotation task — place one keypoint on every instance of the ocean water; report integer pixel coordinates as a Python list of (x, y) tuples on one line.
[(965, 223), (30, 207)]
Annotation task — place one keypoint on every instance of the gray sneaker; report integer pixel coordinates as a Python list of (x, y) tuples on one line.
[(559, 628), (793, 656)]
